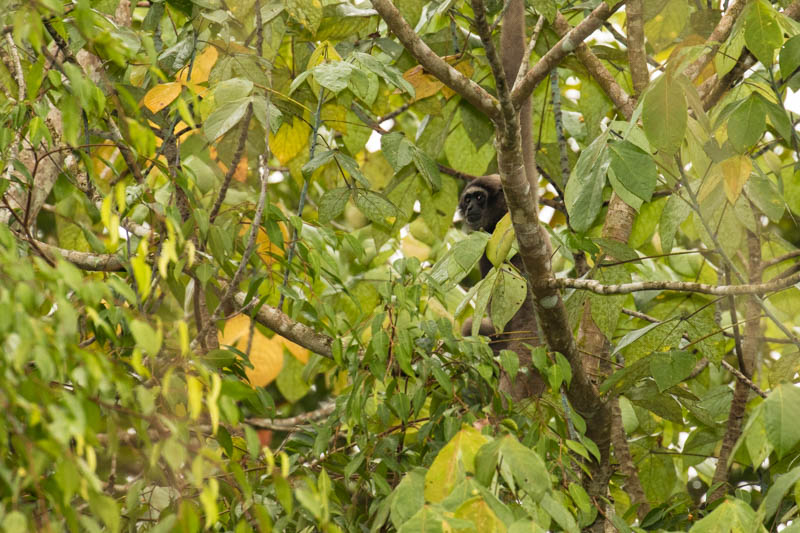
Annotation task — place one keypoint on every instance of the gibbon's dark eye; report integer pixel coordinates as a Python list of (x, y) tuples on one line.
[(479, 197)]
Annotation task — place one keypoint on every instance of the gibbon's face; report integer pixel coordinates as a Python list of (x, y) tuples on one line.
[(482, 203), (473, 207)]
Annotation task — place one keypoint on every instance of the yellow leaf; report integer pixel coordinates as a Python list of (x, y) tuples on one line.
[(161, 96), (201, 67), (323, 53), (503, 237), (103, 158), (195, 393), (736, 172), (299, 353), (290, 141)]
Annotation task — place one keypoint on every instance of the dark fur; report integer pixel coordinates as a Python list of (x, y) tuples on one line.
[(482, 205)]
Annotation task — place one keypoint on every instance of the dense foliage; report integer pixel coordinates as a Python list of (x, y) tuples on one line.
[(231, 288)]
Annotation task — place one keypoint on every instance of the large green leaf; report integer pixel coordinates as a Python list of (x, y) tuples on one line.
[(664, 115), (747, 123), (584, 192), (634, 168), (780, 409), (762, 33)]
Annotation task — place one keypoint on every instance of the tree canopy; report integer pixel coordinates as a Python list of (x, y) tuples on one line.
[(232, 288)]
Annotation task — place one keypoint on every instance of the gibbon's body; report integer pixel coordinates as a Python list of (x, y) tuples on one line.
[(482, 204)]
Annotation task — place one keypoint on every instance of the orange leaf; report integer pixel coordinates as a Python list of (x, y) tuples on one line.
[(427, 85), (161, 96), (266, 356)]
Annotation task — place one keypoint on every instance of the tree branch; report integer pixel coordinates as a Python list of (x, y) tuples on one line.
[(289, 424), (85, 260), (284, 326), (434, 64), (716, 39), (599, 72), (567, 44), (679, 286), (637, 57)]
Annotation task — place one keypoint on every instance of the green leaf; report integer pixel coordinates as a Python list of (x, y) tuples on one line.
[(478, 127), (780, 409), (486, 461), (334, 76), (319, 160), (408, 497), (790, 56), (509, 361), (484, 289), (527, 468), (290, 380), (306, 12), (779, 118), (388, 73), (462, 155), (635, 335), (729, 52), (397, 150), (146, 337), (350, 166), (232, 91), (765, 196), (732, 515), (668, 24), (670, 368), (459, 260), (508, 294), (559, 513), (607, 309), (376, 207), (634, 168), (624, 379), (546, 8), (584, 191), (477, 511), (780, 486), (664, 115), (332, 204), (647, 395), (762, 34), (428, 168), (224, 118), (106, 508), (747, 123), (452, 463), (673, 215)]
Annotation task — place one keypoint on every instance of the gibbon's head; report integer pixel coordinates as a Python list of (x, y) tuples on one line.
[(482, 203)]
